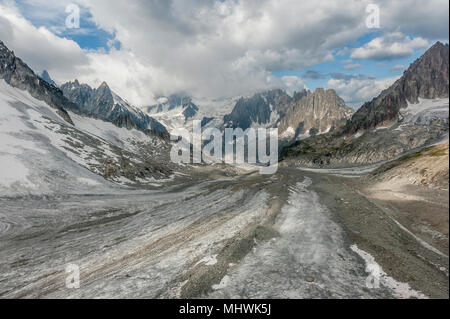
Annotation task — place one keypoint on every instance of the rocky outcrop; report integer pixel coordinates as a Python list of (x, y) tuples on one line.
[(104, 104), (314, 112), (262, 109), (17, 74), (190, 111), (426, 78), (305, 112)]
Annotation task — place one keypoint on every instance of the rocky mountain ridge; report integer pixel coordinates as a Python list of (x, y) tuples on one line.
[(261, 109), (19, 75), (315, 112), (410, 114), (104, 104), (303, 114), (427, 78), (100, 103)]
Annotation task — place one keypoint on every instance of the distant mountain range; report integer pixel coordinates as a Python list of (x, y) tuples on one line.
[(305, 113), (104, 104), (167, 104), (318, 127), (412, 113), (81, 99), (89, 137)]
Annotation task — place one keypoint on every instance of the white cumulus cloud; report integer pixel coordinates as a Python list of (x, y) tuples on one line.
[(389, 46), (211, 48), (293, 83), (357, 90)]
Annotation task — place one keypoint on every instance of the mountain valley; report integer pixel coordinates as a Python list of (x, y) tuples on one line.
[(86, 179)]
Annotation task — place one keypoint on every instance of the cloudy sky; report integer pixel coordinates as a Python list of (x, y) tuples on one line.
[(215, 49)]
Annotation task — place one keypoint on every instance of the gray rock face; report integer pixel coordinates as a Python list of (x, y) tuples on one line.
[(314, 112), (262, 109), (206, 120), (17, 74), (104, 104), (190, 111), (305, 112), (426, 78)]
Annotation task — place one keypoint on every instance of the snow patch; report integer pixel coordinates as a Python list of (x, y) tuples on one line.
[(290, 132), (87, 181), (426, 110), (401, 290), (208, 260), (13, 171), (223, 283)]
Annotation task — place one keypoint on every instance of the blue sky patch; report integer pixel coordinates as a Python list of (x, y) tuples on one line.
[(318, 75), (88, 36)]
